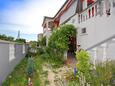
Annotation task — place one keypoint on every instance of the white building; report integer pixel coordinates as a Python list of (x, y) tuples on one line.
[(47, 27), (94, 20), (40, 36)]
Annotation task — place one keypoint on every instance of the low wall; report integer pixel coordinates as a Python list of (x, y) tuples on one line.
[(10, 55)]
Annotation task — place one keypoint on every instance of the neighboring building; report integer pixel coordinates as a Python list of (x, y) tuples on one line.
[(94, 20), (40, 35), (47, 27)]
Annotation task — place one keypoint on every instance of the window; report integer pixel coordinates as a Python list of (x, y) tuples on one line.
[(83, 30), (50, 24), (44, 25)]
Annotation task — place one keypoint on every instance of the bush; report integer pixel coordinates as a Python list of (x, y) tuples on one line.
[(40, 51), (30, 67), (83, 64), (42, 42), (104, 74)]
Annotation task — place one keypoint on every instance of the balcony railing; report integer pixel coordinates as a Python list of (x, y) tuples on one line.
[(89, 12)]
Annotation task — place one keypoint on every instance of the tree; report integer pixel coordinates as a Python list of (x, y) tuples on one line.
[(7, 38), (21, 40)]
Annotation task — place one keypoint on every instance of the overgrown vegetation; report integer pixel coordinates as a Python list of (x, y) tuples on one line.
[(102, 74), (19, 77), (57, 44), (42, 42), (83, 64), (51, 54), (59, 40)]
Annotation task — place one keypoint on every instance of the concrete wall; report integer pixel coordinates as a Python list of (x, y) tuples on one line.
[(9, 59)]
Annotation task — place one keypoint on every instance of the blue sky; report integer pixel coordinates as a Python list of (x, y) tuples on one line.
[(26, 16)]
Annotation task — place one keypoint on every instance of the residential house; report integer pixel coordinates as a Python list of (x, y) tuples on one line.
[(94, 20), (47, 27), (40, 35)]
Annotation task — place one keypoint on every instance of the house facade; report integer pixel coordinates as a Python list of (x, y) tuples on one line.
[(39, 36), (94, 20), (47, 27)]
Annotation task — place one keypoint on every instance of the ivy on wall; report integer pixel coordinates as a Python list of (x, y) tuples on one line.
[(60, 38)]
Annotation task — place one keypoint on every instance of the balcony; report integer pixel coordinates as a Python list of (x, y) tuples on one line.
[(88, 13)]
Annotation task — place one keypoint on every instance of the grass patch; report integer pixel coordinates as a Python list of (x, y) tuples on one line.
[(19, 75)]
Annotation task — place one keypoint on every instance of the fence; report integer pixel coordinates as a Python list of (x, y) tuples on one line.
[(10, 55)]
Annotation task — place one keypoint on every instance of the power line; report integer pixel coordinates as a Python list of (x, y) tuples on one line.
[(13, 24)]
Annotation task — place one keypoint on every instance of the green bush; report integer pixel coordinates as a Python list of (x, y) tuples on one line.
[(83, 64), (42, 42), (60, 38), (104, 74), (40, 51), (30, 67)]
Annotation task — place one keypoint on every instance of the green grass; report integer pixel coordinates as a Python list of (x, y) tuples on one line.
[(19, 75)]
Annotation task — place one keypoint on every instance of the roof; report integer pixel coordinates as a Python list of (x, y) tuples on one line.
[(46, 17), (61, 8), (64, 7)]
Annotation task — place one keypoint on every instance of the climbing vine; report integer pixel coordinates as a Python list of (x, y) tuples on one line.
[(60, 38)]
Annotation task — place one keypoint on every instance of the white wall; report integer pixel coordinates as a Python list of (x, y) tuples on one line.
[(9, 59), (98, 29)]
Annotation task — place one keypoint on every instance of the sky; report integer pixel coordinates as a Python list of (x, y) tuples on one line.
[(26, 16)]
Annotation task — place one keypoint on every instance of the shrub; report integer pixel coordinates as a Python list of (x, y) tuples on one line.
[(104, 74), (40, 51), (30, 67), (59, 40), (42, 42), (83, 64)]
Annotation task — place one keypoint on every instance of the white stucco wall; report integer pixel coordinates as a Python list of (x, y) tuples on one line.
[(98, 29)]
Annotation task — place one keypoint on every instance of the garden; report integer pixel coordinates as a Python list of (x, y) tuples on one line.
[(47, 66)]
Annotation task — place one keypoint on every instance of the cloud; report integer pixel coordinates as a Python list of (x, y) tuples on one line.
[(28, 17)]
